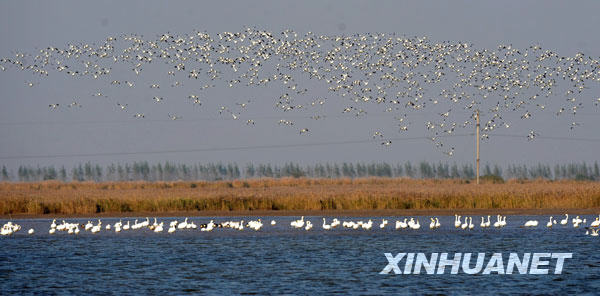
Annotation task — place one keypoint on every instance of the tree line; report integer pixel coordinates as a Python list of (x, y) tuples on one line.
[(168, 171)]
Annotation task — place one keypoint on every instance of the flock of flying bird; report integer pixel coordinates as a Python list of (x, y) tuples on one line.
[(302, 223), (367, 72)]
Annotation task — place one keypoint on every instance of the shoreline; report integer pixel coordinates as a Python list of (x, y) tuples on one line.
[(320, 213)]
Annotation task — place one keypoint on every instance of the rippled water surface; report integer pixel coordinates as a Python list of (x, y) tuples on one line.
[(281, 260)]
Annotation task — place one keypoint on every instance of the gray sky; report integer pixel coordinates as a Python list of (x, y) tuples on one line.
[(28, 127)]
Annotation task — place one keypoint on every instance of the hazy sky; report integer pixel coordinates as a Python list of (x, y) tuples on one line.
[(29, 128)]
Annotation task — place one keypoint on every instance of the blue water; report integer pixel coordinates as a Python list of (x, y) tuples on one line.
[(281, 260)]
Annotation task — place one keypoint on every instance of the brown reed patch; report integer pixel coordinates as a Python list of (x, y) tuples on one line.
[(52, 197)]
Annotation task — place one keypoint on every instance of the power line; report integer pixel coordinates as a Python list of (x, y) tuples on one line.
[(246, 116), (225, 118), (223, 148), (234, 148), (549, 138)]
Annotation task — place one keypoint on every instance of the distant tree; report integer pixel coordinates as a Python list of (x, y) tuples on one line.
[(443, 171), (487, 170), (142, 170), (336, 171), (398, 171), (468, 172), (556, 172), (497, 171), (98, 173), (5, 176), (62, 174), (425, 170), (77, 173), (49, 173), (386, 170), (409, 170), (454, 173), (111, 173), (121, 173), (88, 171)]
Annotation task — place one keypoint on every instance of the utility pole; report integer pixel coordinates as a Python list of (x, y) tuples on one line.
[(477, 143)]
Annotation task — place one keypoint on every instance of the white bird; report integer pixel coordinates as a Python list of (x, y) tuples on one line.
[(256, 225), (384, 222), (6, 229), (416, 225), (466, 224), (61, 226), (145, 223), (298, 223), (273, 222), (97, 227), (159, 227), (404, 224), (596, 222), (577, 221), (175, 117), (183, 224), (410, 222), (549, 224), (498, 222), (457, 221), (31, 231), (325, 226), (211, 225), (531, 223), (488, 223), (136, 225), (335, 223), (565, 220), (309, 225)]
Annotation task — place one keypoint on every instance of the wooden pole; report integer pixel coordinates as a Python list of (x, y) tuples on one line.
[(477, 144)]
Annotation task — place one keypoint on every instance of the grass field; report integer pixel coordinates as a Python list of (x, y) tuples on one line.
[(266, 195)]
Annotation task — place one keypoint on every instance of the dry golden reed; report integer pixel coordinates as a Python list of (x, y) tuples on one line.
[(291, 194)]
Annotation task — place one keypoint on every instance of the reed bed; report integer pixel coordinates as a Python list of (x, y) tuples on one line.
[(72, 198)]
